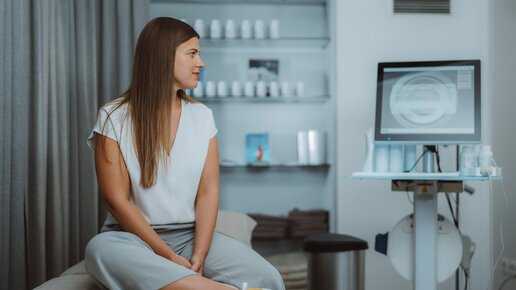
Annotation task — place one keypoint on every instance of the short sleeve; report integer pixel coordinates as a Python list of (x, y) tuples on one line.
[(104, 126), (212, 127)]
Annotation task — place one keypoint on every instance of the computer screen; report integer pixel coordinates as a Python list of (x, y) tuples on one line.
[(430, 102)]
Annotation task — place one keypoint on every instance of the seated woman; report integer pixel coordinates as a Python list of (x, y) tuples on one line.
[(157, 167)]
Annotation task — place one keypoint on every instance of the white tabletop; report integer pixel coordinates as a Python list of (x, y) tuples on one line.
[(420, 176)]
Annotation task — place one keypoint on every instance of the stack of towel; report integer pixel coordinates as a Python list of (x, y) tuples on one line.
[(293, 268), (303, 223), (269, 226)]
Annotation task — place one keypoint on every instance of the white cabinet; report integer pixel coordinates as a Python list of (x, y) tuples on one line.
[(303, 50)]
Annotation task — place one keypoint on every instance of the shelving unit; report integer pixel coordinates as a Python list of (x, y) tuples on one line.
[(268, 43), (303, 51), (293, 99)]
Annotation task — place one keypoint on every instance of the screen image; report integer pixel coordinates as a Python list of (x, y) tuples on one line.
[(428, 102)]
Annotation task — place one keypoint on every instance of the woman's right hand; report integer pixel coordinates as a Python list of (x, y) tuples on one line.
[(178, 259)]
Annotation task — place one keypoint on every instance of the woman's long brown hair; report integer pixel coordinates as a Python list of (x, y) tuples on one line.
[(150, 94)]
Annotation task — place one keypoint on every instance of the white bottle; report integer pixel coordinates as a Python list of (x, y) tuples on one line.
[(485, 156), (302, 147), (369, 163), (381, 158), (468, 160), (396, 158)]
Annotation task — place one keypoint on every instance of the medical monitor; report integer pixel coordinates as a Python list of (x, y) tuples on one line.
[(429, 102)]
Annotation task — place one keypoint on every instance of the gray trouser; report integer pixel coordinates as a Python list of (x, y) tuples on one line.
[(121, 260)]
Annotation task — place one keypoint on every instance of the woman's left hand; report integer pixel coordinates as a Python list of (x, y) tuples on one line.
[(197, 263)]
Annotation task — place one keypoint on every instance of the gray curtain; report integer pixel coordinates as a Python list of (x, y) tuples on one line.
[(60, 61)]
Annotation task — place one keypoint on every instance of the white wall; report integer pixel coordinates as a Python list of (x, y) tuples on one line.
[(503, 78), (368, 32)]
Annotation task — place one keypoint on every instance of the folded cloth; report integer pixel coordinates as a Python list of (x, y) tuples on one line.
[(269, 218), (294, 262), (292, 276), (296, 283), (309, 227), (305, 233), (305, 213), (268, 235)]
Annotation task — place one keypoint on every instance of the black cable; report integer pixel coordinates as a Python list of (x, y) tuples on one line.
[(438, 159), (417, 161), (451, 208)]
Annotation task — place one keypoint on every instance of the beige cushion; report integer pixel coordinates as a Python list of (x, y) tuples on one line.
[(236, 225)]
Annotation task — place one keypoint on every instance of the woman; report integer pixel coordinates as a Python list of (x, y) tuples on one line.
[(157, 166)]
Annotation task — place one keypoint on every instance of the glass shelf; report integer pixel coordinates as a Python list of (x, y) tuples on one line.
[(293, 99), (449, 176), (229, 165), (271, 2), (297, 42)]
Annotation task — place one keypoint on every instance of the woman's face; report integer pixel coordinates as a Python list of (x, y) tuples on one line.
[(187, 64)]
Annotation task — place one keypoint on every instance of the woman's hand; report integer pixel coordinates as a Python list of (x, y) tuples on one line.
[(178, 259), (197, 263)]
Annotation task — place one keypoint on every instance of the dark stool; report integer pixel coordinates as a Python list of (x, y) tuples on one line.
[(335, 262)]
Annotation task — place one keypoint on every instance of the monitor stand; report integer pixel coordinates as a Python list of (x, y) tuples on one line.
[(428, 158), (425, 227)]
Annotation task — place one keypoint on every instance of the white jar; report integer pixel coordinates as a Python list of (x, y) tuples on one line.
[(211, 89), (222, 89), (199, 27), (230, 30), (215, 29), (285, 89), (274, 29), (198, 92), (236, 89), (274, 89), (246, 30), (259, 29), (249, 89), (261, 89)]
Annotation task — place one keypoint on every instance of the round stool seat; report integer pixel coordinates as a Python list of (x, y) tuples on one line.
[(324, 243)]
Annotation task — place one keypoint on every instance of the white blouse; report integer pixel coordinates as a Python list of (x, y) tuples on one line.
[(171, 200)]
